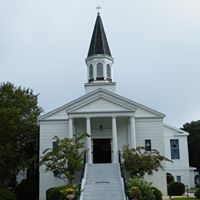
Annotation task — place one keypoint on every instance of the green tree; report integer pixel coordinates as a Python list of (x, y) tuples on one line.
[(138, 161), (18, 130), (65, 158), (193, 129)]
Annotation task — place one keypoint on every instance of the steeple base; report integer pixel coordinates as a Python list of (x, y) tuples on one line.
[(89, 87)]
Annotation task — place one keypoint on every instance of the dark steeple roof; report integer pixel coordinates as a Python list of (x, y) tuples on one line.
[(99, 43)]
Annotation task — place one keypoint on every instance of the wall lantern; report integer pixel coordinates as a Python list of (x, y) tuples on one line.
[(101, 127)]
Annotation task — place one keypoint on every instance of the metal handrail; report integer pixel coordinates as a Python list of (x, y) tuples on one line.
[(123, 174)]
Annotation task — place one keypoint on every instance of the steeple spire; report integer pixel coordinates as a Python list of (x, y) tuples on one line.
[(99, 43), (99, 60)]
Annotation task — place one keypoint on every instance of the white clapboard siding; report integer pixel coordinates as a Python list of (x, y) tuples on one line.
[(150, 129), (179, 167), (49, 129), (122, 132)]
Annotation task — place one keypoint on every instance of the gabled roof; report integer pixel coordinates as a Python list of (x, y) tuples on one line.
[(179, 132), (99, 43), (99, 93)]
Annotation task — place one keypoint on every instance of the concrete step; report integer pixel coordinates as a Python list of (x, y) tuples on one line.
[(103, 182)]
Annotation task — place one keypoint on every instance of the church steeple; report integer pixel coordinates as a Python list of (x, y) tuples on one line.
[(99, 43), (99, 60)]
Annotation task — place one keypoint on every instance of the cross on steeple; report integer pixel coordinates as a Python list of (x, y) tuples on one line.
[(98, 8)]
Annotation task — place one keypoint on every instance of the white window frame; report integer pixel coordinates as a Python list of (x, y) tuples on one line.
[(174, 149)]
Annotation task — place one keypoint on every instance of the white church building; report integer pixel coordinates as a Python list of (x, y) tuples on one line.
[(112, 121)]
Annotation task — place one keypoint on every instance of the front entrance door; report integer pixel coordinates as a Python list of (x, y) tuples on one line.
[(101, 150)]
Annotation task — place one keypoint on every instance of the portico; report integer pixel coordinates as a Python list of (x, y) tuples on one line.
[(102, 126)]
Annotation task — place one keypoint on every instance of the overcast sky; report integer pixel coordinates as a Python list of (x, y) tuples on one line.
[(155, 44)]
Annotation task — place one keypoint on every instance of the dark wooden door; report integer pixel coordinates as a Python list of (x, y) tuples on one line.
[(101, 151)]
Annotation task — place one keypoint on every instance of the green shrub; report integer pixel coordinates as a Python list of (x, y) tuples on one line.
[(135, 193), (144, 187), (197, 193), (58, 193), (48, 193), (54, 193), (176, 188), (170, 178), (6, 194), (157, 193), (27, 189)]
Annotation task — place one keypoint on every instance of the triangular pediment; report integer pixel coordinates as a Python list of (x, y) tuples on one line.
[(101, 104), (100, 101)]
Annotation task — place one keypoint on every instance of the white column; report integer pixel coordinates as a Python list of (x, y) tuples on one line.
[(133, 133), (114, 139), (70, 127), (95, 70), (104, 71), (88, 71), (89, 143)]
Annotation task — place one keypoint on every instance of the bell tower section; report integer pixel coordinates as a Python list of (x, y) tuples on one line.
[(99, 61)]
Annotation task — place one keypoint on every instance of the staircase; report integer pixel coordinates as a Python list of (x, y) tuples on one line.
[(102, 182)]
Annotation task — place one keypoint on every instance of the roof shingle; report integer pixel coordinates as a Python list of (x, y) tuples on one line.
[(99, 43)]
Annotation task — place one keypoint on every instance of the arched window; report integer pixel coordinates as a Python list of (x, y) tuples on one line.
[(90, 71), (108, 71), (99, 70)]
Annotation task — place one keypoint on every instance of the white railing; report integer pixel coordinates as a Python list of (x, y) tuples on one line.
[(123, 186), (83, 182)]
